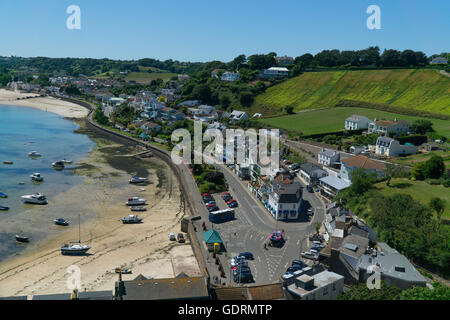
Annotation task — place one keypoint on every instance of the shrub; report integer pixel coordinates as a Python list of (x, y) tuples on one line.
[(446, 183)]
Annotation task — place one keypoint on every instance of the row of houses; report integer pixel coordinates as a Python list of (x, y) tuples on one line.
[(382, 127)]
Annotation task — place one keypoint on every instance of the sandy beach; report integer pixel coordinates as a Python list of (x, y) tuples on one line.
[(50, 104), (144, 248)]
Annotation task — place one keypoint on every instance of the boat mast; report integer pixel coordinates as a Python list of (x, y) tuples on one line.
[(79, 229)]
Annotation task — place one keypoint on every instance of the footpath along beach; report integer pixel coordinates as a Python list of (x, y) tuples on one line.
[(144, 248)]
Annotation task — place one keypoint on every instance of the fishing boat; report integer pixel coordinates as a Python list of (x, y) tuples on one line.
[(2, 208), (135, 201), (136, 179), (22, 238), (123, 270), (61, 222), (8, 162), (36, 177), (34, 154), (58, 165), (75, 248), (138, 208), (3, 195), (36, 198), (131, 219)]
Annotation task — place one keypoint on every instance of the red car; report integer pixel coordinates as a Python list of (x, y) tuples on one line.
[(230, 201)]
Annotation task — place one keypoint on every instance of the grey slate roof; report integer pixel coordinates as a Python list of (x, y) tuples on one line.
[(289, 193), (388, 263), (310, 168)]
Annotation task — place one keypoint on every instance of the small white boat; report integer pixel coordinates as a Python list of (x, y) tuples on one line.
[(36, 198), (138, 208), (34, 154), (136, 179), (36, 177), (131, 219), (66, 161), (58, 164), (74, 248), (135, 201)]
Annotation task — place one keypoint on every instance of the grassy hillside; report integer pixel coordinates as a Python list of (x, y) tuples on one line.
[(416, 88), (145, 77), (333, 119), (419, 190)]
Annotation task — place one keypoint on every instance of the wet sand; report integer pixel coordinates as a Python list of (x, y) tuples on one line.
[(145, 248), (50, 104)]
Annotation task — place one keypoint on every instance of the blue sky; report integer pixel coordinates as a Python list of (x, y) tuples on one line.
[(204, 30)]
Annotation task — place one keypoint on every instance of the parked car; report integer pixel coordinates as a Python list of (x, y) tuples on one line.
[(247, 255), (180, 238), (294, 268), (310, 255), (293, 166), (172, 237), (299, 263), (309, 188), (241, 268), (233, 205), (314, 251), (225, 194), (213, 208), (310, 211), (236, 260), (243, 277)]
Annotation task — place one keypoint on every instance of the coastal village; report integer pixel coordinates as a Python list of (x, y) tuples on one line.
[(287, 234)]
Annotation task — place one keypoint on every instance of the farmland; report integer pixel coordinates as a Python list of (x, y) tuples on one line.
[(145, 77)]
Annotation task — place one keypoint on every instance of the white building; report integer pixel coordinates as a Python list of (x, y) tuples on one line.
[(285, 201), (356, 122), (389, 147), (385, 127), (238, 115), (324, 285), (439, 60), (327, 157), (231, 76)]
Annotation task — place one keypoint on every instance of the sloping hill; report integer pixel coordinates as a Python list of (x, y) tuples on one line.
[(418, 89)]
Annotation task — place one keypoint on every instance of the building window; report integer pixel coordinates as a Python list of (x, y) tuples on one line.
[(334, 286), (325, 291), (313, 296)]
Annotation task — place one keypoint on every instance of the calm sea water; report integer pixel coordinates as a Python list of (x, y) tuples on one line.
[(23, 130)]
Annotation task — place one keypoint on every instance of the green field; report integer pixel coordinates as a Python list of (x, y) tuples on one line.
[(145, 77), (419, 190), (418, 89), (333, 119)]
